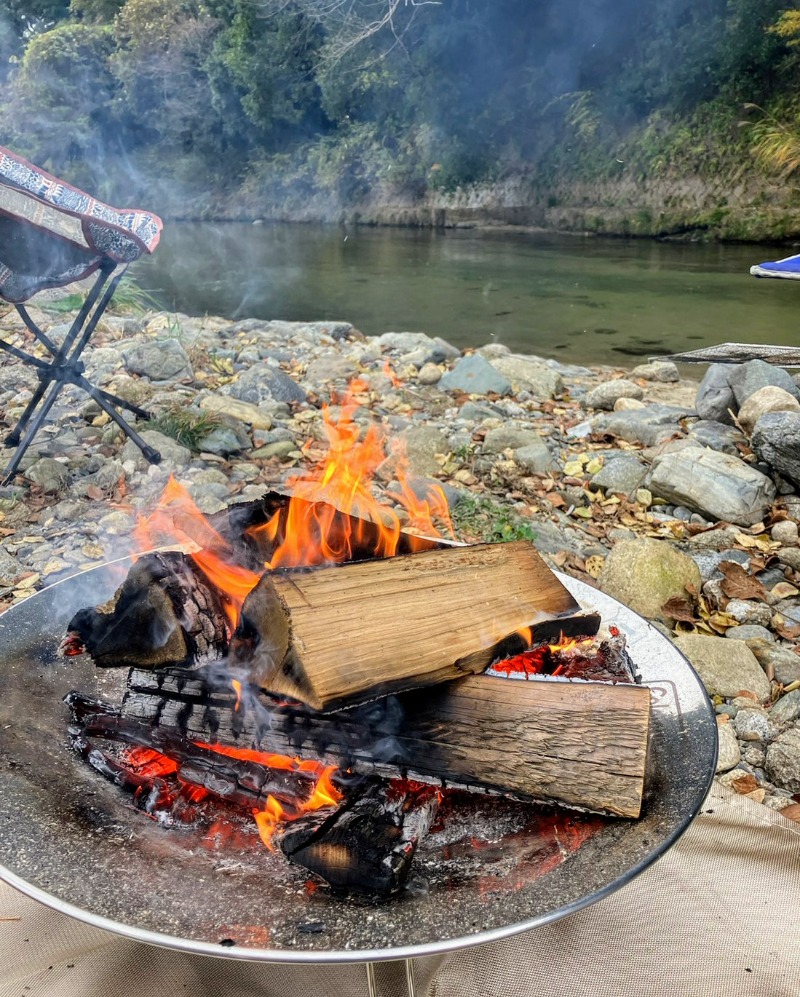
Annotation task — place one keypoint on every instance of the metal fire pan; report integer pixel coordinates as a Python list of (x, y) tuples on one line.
[(73, 841)]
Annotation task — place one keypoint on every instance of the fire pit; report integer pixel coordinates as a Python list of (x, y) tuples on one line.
[(494, 867)]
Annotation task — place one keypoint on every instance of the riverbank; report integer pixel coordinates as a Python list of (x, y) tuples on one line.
[(633, 480)]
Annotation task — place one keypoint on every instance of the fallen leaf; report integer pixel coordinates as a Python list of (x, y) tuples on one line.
[(744, 783), (738, 583), (678, 608), (583, 511), (784, 590), (594, 565), (95, 493), (786, 631)]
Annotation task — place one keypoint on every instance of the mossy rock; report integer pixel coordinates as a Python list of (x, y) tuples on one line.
[(645, 574)]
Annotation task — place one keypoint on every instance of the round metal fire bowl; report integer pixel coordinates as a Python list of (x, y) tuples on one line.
[(73, 841)]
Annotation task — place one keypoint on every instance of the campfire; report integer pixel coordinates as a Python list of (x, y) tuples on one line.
[(338, 669)]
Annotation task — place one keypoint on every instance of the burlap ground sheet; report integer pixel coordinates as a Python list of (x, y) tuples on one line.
[(717, 915)]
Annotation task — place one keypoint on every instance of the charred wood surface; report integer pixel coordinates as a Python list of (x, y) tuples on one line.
[(367, 844), (580, 744), (164, 613), (338, 635)]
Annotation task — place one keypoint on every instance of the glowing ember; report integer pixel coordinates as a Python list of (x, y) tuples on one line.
[(539, 660), (325, 795)]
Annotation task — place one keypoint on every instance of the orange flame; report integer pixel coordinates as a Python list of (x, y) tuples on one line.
[(177, 520), (325, 795), (315, 532)]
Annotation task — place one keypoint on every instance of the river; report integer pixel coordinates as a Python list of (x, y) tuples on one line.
[(582, 300)]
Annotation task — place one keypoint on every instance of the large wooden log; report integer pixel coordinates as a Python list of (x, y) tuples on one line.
[(581, 744), (343, 634), (780, 356)]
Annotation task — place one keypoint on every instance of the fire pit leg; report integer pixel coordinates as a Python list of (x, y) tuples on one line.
[(372, 988)]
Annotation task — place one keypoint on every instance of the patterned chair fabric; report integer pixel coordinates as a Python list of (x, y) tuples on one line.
[(52, 234)]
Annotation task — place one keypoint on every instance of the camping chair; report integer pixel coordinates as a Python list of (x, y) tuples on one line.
[(52, 234)]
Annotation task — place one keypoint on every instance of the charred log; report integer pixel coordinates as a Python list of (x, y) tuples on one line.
[(164, 613), (366, 845)]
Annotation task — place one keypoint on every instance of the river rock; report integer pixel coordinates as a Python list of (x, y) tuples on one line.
[(10, 568), (434, 348), (224, 440), (243, 411), (729, 752), (715, 399), (708, 561), (628, 404), (535, 458), (606, 394), (787, 708), (746, 379), (645, 574), (429, 373), (785, 532), (475, 376), (528, 374), (264, 383), (422, 443), (716, 485), (725, 667), (620, 475), (776, 440), (330, 368), (783, 760), (173, 455), (509, 438), (649, 426), (747, 611), (159, 360), (717, 436), (49, 474), (663, 371), (753, 725), (766, 399)]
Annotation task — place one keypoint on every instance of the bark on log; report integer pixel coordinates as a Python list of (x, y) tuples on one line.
[(367, 844), (580, 744), (780, 356), (340, 635)]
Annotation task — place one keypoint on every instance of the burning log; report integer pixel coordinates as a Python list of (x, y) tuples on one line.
[(164, 613), (357, 631), (581, 744), (368, 843)]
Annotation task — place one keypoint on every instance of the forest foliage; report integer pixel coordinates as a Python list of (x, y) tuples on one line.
[(413, 95)]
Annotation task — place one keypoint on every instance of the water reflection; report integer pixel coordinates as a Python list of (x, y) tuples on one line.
[(584, 300)]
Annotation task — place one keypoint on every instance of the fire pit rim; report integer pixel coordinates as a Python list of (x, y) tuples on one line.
[(706, 748)]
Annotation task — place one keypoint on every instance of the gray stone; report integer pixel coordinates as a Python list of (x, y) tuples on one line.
[(243, 411), (717, 485), (717, 436), (783, 760), (223, 441), (475, 376), (649, 426), (265, 383), (330, 368), (790, 556), (509, 438), (753, 725), (628, 404), (478, 411), (406, 342), (529, 374), (784, 664), (10, 568), (725, 667), (280, 448), (645, 574), (715, 398), (422, 443), (605, 394), (160, 360), (173, 455), (748, 612), (749, 632), (747, 378), (785, 533), (429, 373), (729, 752), (708, 561), (535, 458), (787, 708), (49, 474), (663, 371), (767, 399), (620, 475), (776, 440)]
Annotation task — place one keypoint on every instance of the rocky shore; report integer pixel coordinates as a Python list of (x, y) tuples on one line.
[(682, 502)]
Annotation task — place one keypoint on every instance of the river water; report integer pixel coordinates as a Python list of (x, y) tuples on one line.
[(576, 299)]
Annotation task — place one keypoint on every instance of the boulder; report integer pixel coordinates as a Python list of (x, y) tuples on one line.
[(718, 436), (49, 474), (620, 475), (330, 368), (715, 398), (663, 371), (649, 426), (535, 458), (509, 438), (243, 411), (475, 376), (767, 399), (725, 667), (716, 485), (264, 383), (528, 374), (422, 443), (645, 574), (776, 440), (746, 379)]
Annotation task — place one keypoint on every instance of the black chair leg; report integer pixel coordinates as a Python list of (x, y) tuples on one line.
[(150, 454), (121, 403), (31, 432), (15, 435)]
